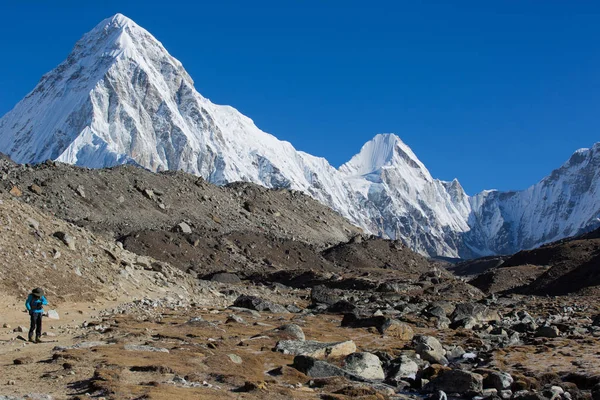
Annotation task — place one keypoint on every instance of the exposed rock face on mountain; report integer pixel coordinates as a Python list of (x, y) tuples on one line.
[(121, 98), (565, 203)]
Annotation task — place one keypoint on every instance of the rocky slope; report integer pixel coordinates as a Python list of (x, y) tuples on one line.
[(568, 266), (120, 98)]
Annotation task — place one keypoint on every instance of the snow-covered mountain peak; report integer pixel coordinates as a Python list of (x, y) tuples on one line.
[(384, 150)]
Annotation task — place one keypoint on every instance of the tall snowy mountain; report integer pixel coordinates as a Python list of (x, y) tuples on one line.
[(120, 97)]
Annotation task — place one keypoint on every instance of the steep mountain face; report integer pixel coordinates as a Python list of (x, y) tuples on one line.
[(400, 199), (120, 98), (565, 203)]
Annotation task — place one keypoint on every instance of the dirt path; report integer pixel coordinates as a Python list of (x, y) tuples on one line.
[(16, 380)]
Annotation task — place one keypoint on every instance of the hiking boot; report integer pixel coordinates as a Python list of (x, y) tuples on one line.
[(31, 338), (38, 340)]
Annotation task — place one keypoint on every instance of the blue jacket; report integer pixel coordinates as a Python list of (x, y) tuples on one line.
[(35, 304)]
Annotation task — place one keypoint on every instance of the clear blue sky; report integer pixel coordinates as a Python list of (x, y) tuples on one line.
[(496, 94)]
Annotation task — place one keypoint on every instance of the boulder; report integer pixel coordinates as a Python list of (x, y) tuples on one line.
[(22, 360), (467, 315), (316, 349), (496, 379), (67, 239), (320, 369), (547, 331), (385, 326), (457, 381), (402, 368), (145, 348), (341, 307), (454, 352), (324, 295), (226, 277), (528, 395), (15, 191), (365, 365), (435, 312), (289, 331), (397, 329), (235, 319), (430, 349), (596, 392), (36, 189), (258, 304)]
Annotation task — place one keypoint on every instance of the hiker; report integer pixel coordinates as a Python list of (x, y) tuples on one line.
[(35, 305)]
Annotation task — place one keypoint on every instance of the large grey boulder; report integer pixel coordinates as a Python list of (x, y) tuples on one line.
[(430, 349), (496, 379), (547, 331), (258, 304), (365, 365), (226, 277), (403, 368), (324, 295), (321, 369), (468, 315), (385, 326), (289, 331), (316, 349), (457, 381)]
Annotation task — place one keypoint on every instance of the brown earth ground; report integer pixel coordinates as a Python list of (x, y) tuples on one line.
[(200, 352)]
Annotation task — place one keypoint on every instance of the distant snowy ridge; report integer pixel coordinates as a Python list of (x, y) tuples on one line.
[(120, 97)]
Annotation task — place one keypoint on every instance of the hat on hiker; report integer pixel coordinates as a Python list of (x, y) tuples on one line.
[(37, 292)]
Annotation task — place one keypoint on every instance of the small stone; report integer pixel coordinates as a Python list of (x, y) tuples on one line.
[(80, 191), (33, 223), (22, 361), (20, 329), (139, 347), (67, 239), (183, 228), (235, 319), (12, 382), (7, 326), (36, 189), (235, 358), (149, 194), (15, 191)]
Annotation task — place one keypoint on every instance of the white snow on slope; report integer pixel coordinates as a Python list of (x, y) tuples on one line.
[(120, 97)]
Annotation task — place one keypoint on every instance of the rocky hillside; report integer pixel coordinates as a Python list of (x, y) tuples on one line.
[(560, 268), (126, 199), (74, 264)]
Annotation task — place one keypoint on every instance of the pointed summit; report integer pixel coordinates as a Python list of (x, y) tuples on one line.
[(76, 102), (384, 150)]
